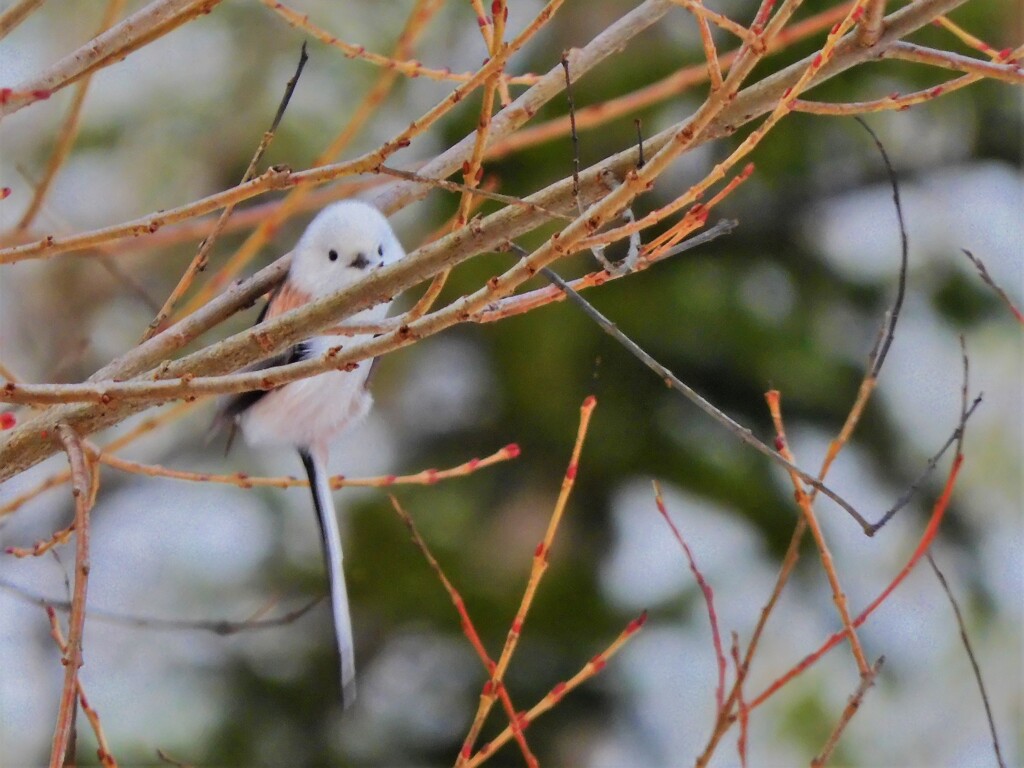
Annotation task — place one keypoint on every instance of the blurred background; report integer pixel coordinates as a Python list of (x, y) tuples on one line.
[(791, 300)]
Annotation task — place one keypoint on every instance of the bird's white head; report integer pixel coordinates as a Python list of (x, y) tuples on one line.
[(345, 242)]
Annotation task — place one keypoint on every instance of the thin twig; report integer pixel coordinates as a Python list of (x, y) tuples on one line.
[(927, 537), (540, 565), (164, 757), (68, 132), (199, 261), (973, 659), (744, 714), (672, 85), (901, 285), (706, 591), (452, 186), (1005, 68), (16, 14), (924, 543), (852, 706), (930, 465), (530, 300), (670, 379), (572, 133), (987, 279), (156, 19), (804, 501), (83, 491), (556, 694), (103, 752), (221, 627), (407, 67), (468, 629), (242, 480)]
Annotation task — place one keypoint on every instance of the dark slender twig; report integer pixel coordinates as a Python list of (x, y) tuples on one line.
[(909, 494), (199, 261), (216, 626), (945, 585), (633, 254), (639, 143), (164, 757), (987, 278), (289, 89), (572, 131), (852, 706), (115, 270), (970, 655), (901, 289), (723, 227), (957, 437), (670, 379)]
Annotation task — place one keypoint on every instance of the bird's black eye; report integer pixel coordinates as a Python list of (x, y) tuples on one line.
[(332, 255), (360, 261), (380, 250)]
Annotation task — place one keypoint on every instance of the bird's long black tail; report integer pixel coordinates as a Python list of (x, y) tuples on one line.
[(316, 469)]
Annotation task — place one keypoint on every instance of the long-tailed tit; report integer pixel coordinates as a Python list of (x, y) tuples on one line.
[(341, 246)]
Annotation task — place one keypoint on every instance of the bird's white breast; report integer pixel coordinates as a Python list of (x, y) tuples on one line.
[(314, 411)]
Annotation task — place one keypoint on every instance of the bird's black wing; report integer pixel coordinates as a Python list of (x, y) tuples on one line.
[(233, 406)]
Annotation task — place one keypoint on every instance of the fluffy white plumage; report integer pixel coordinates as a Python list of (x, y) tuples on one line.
[(311, 412), (340, 246)]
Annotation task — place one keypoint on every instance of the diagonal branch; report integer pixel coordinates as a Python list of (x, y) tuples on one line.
[(145, 25), (84, 492)]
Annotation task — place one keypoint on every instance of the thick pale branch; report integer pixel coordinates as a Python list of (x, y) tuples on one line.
[(24, 446), (156, 19)]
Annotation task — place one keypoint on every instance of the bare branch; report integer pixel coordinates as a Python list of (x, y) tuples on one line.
[(973, 659), (670, 379), (852, 706), (145, 25), (83, 490), (16, 14)]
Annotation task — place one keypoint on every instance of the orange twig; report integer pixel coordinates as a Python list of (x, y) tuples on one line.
[(69, 131), (741, 704), (540, 564), (670, 86), (59, 478), (556, 694), (967, 38), (468, 629), (43, 546), (242, 480), (804, 501), (848, 712), (938, 511), (416, 23), (15, 14), (395, 63)]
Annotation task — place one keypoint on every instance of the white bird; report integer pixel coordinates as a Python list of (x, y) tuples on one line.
[(340, 246)]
